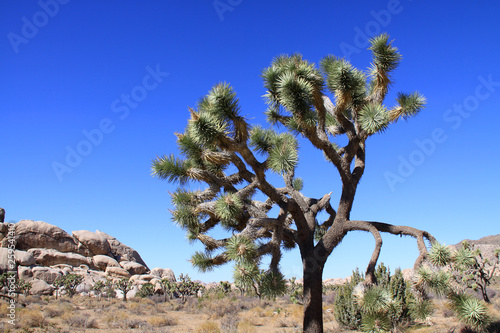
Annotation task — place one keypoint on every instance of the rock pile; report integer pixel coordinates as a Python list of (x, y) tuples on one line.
[(45, 252)]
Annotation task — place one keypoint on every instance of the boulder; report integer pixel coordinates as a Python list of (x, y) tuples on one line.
[(25, 273), (7, 262), (31, 234), (66, 269), (4, 230), (132, 292), (133, 267), (143, 277), (122, 252), (102, 262), (96, 243), (49, 257), (24, 258), (46, 274), (39, 287), (117, 272), (163, 273)]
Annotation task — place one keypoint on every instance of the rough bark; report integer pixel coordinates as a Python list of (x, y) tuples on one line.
[(313, 294)]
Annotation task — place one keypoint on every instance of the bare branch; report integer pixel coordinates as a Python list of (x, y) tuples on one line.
[(397, 230)]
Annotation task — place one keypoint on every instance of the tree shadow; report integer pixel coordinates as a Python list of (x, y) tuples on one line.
[(494, 327)]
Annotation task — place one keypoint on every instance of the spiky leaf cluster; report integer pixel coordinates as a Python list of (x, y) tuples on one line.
[(439, 255), (346, 82), (273, 284), (241, 249), (471, 311), (246, 274), (228, 208), (373, 118), (281, 149)]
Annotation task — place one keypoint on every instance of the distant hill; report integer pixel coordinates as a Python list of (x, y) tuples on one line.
[(487, 245), (488, 240)]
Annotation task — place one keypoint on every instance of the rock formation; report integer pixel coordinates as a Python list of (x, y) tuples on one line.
[(45, 252)]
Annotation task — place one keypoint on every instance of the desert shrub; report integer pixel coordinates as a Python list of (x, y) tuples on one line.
[(32, 318), (36, 299), (229, 324), (161, 321), (115, 319), (81, 321), (135, 308), (134, 323), (218, 308), (247, 303), (157, 298), (245, 326), (208, 327), (347, 311), (52, 312)]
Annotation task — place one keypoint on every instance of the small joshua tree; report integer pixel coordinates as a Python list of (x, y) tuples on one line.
[(329, 106), (147, 289), (69, 282), (295, 291), (24, 287), (109, 288), (168, 287), (124, 285), (98, 288), (452, 274), (186, 287)]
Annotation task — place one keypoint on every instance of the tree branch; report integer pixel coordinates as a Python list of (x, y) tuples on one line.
[(397, 230)]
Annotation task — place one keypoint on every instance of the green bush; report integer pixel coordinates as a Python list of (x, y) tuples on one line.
[(147, 289), (347, 312)]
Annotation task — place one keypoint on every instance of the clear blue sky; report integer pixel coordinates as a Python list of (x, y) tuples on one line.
[(124, 72)]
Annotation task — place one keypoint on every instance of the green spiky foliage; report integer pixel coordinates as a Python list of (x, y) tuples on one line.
[(224, 166), (452, 273), (98, 288), (347, 311), (168, 287), (186, 287), (296, 291), (471, 311), (468, 269), (272, 284), (147, 289), (246, 275), (382, 307), (69, 282), (124, 285)]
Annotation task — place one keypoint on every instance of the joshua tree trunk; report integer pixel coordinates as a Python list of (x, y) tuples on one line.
[(313, 296)]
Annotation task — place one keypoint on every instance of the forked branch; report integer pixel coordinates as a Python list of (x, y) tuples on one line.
[(376, 227)]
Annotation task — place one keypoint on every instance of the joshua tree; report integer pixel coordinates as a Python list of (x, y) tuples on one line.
[(451, 274), (169, 287), (70, 282), (333, 104), (98, 288), (124, 285)]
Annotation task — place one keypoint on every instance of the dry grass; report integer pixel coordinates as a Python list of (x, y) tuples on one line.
[(161, 321), (32, 318), (230, 314), (246, 327), (81, 321), (208, 327)]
